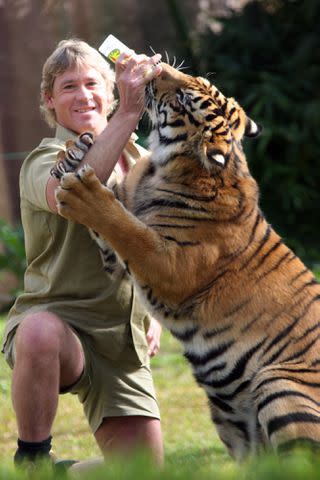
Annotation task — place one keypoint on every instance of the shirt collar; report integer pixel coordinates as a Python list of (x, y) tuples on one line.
[(64, 134)]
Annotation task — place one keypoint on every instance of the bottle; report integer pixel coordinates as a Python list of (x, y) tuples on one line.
[(112, 48)]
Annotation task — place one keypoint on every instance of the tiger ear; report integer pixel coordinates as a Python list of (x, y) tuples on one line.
[(252, 129)]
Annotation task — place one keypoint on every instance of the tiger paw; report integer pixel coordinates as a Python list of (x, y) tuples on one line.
[(88, 177), (69, 160), (82, 197)]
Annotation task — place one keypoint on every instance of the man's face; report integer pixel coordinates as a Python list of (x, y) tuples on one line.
[(81, 100)]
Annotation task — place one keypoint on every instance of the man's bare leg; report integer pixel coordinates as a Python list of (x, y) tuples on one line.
[(49, 356), (125, 436)]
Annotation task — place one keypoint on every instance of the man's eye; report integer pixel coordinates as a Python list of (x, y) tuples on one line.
[(68, 86), (92, 84)]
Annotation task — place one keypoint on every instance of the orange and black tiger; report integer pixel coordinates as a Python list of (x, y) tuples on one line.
[(187, 226)]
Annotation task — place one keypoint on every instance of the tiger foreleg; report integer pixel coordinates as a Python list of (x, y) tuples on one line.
[(110, 262), (83, 198), (147, 255), (68, 161)]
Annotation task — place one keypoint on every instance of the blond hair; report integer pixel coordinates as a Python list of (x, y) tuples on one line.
[(69, 54)]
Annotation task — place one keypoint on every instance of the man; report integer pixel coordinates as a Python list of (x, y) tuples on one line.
[(73, 329)]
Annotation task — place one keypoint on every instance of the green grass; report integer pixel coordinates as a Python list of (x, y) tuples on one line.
[(192, 447)]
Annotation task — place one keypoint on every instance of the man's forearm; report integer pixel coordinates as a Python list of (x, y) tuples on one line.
[(108, 146)]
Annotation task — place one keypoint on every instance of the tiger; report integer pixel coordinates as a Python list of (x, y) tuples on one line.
[(187, 227)]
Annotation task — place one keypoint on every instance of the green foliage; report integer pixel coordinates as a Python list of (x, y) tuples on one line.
[(12, 251), (268, 58)]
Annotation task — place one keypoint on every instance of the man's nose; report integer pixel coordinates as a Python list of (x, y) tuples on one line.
[(84, 93)]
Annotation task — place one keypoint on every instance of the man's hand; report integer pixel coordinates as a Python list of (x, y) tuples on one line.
[(132, 74), (153, 337)]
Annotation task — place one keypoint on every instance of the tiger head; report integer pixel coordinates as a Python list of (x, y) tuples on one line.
[(190, 116)]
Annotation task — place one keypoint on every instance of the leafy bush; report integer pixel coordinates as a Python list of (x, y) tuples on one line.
[(267, 57), (12, 251)]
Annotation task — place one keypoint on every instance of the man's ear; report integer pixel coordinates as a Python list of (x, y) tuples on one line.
[(48, 100)]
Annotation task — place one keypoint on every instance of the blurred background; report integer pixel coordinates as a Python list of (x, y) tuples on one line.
[(265, 53)]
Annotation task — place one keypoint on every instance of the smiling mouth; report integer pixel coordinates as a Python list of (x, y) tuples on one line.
[(84, 110)]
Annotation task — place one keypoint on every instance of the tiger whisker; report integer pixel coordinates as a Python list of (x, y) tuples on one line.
[(152, 50), (183, 68), (167, 56), (174, 61), (180, 65)]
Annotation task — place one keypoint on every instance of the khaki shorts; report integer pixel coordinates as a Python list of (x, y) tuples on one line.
[(108, 388)]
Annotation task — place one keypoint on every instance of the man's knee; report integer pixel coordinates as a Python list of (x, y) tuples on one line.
[(39, 333)]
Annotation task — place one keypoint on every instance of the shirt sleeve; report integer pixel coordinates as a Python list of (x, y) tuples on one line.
[(35, 173), (133, 152)]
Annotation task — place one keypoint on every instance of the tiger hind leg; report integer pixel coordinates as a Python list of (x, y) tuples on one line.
[(287, 401)]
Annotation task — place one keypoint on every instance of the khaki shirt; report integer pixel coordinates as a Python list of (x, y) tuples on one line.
[(64, 272)]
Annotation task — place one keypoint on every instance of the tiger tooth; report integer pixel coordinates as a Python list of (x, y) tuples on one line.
[(219, 159)]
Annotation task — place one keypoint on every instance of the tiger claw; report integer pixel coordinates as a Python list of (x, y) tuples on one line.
[(69, 160), (85, 172), (85, 140)]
